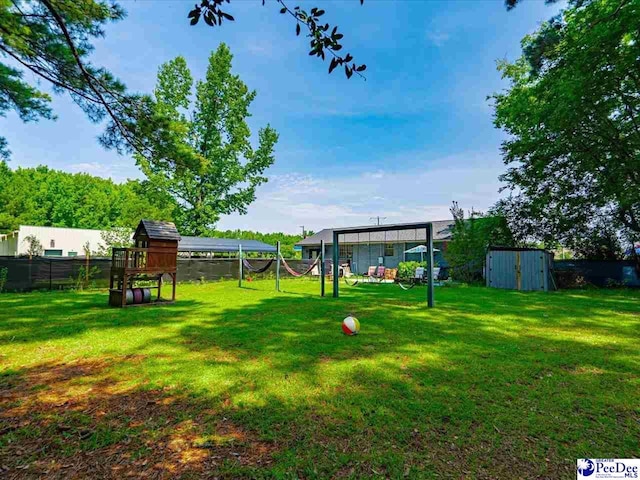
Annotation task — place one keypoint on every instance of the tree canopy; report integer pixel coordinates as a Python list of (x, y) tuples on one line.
[(46, 197), (205, 159), (470, 239), (571, 113), (52, 39)]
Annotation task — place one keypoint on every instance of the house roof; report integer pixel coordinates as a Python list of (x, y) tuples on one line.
[(158, 230), (209, 244), (441, 231)]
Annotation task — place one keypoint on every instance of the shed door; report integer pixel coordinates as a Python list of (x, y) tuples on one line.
[(532, 270), (502, 269)]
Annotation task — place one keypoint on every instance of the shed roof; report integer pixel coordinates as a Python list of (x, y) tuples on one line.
[(441, 231), (156, 230), (209, 244)]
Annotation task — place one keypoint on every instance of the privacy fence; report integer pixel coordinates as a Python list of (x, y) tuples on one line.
[(48, 273), (579, 273)]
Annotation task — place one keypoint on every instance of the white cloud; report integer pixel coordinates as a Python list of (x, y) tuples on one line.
[(424, 192), (118, 172), (438, 38)]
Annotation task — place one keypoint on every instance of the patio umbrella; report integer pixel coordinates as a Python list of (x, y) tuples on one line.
[(421, 249)]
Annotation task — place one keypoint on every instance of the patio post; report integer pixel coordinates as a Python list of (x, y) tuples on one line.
[(430, 266), (240, 269), (278, 266), (336, 260)]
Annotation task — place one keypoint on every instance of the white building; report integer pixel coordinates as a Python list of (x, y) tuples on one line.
[(55, 241)]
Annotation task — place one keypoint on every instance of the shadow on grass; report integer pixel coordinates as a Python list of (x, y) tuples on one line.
[(74, 420), (484, 386), (46, 316)]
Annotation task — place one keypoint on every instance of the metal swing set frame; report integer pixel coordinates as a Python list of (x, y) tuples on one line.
[(320, 261), (428, 226)]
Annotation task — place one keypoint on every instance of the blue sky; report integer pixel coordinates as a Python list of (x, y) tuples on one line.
[(405, 143)]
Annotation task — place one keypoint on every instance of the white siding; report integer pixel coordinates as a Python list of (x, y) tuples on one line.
[(65, 239), (9, 244)]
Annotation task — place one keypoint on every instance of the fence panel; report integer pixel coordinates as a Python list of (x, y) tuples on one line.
[(601, 273), (42, 273)]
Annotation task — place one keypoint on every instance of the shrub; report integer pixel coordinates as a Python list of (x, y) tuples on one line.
[(4, 273), (469, 242), (408, 269)]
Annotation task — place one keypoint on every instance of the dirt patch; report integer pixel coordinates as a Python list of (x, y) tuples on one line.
[(74, 420)]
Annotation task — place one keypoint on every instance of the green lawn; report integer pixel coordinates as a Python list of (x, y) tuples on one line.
[(237, 383)]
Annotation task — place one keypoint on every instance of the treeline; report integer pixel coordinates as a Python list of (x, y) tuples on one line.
[(45, 197)]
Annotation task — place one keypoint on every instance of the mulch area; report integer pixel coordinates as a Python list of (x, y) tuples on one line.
[(72, 420)]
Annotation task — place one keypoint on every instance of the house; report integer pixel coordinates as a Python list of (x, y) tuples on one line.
[(70, 242), (379, 248), (55, 241)]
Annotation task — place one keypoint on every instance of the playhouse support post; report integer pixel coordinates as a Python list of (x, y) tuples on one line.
[(336, 261), (430, 266), (278, 266), (322, 268), (240, 272), (123, 292)]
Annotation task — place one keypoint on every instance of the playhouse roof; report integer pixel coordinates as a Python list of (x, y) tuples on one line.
[(158, 230)]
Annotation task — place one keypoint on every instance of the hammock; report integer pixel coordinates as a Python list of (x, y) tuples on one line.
[(351, 281), (296, 274), (253, 269), (408, 286)]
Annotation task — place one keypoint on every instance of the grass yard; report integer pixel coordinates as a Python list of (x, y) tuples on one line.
[(248, 383)]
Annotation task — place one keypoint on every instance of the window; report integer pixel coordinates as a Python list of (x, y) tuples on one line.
[(388, 250), (52, 243), (72, 254), (346, 251), (53, 253)]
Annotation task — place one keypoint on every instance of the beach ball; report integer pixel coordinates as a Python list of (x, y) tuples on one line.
[(350, 325)]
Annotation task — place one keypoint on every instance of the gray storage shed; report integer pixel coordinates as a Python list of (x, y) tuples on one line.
[(519, 269)]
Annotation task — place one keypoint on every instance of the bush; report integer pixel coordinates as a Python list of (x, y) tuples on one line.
[(4, 273), (408, 269), (469, 242)]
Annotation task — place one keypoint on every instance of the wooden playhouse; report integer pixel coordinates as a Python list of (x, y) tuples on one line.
[(154, 255)]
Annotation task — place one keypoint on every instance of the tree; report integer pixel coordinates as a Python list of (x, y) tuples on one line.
[(114, 237), (287, 242), (34, 248), (52, 39), (209, 165), (599, 241), (42, 196), (470, 239), (571, 113)]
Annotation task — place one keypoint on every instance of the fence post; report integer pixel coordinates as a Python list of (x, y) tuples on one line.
[(240, 272), (322, 268), (50, 283), (278, 266)]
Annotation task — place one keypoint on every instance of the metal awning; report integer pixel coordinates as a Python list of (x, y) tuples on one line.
[(222, 245)]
